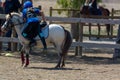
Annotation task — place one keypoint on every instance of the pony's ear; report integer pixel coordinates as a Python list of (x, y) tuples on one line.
[(10, 15)]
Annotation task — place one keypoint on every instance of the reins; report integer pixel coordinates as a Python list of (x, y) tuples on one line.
[(19, 22)]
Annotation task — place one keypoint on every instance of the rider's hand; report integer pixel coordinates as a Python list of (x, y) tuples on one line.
[(43, 24)]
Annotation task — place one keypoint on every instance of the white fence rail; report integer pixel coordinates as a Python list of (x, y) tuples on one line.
[(85, 44)]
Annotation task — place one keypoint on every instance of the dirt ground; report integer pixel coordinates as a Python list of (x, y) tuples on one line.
[(92, 66), (95, 64)]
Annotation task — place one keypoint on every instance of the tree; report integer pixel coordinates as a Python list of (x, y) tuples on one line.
[(74, 4)]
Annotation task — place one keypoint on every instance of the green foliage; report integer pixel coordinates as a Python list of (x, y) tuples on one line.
[(74, 4), (71, 4), (99, 0)]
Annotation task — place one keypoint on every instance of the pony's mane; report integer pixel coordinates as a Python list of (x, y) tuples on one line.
[(13, 14)]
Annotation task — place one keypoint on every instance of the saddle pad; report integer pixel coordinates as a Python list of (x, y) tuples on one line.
[(45, 31)]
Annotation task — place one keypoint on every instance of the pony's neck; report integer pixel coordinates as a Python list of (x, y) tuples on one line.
[(18, 30)]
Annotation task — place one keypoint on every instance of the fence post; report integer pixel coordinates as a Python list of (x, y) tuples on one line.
[(111, 27), (51, 11), (80, 38), (76, 49), (50, 14)]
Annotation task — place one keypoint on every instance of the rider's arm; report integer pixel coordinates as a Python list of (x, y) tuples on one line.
[(43, 16), (24, 15), (86, 2), (94, 3), (40, 13)]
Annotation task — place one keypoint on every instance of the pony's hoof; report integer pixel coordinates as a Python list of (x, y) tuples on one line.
[(24, 66), (63, 66), (57, 67)]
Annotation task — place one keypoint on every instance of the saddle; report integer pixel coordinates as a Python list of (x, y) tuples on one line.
[(45, 33)]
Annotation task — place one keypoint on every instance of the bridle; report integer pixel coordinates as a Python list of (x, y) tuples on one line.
[(20, 23), (10, 24)]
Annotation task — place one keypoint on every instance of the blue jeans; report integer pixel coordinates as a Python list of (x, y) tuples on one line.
[(95, 11), (8, 34)]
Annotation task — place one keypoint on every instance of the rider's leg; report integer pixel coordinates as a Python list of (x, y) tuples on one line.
[(43, 42), (99, 12), (42, 37), (27, 31), (90, 10)]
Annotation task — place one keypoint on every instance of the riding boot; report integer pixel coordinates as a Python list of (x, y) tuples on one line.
[(44, 43), (41, 35)]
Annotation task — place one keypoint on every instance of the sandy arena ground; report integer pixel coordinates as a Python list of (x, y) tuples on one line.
[(92, 66)]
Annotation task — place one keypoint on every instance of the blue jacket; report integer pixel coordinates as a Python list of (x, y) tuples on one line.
[(94, 4), (33, 19)]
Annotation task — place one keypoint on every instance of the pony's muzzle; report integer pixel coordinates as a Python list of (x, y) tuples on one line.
[(3, 29)]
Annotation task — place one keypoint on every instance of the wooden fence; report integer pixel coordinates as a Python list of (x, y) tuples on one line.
[(80, 43), (112, 16)]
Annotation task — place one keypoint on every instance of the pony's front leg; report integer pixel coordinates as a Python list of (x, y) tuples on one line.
[(27, 50), (27, 60), (22, 57)]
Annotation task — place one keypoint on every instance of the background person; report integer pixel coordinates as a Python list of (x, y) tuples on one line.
[(93, 8), (11, 6)]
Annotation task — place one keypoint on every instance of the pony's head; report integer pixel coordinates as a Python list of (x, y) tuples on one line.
[(12, 19)]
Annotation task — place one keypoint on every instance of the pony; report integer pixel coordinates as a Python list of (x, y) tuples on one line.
[(105, 12), (59, 37)]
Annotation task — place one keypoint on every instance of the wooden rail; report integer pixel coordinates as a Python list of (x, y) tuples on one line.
[(85, 19), (86, 44), (80, 43)]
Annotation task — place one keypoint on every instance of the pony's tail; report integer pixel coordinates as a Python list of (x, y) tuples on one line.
[(67, 43)]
